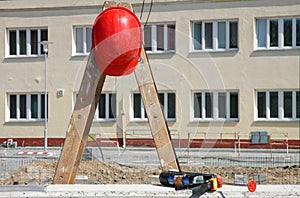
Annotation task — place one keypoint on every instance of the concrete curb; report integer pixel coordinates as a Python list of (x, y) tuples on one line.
[(143, 190)]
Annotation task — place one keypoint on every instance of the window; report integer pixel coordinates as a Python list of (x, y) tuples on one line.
[(26, 107), (159, 37), (167, 100), (278, 105), (278, 33), (216, 35), (82, 40), (106, 109), (25, 42), (215, 105)]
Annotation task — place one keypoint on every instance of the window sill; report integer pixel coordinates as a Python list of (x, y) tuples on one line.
[(215, 51), (146, 120), (215, 120), (161, 52), (25, 58), (278, 120), (138, 120), (105, 120), (80, 55), (276, 49), (24, 121)]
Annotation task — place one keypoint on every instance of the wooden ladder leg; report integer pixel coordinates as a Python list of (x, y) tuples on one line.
[(80, 124), (81, 120), (160, 131), (159, 128)]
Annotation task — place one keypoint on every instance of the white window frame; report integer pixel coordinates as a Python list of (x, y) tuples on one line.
[(28, 108), (86, 51), (280, 106), (28, 42), (215, 109), (107, 105), (280, 34), (154, 38), (165, 106), (143, 110), (214, 36), (96, 118)]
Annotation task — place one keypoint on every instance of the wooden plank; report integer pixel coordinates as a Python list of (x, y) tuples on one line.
[(157, 121), (80, 123), (81, 120)]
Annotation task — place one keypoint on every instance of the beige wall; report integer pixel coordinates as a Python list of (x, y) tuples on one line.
[(245, 70)]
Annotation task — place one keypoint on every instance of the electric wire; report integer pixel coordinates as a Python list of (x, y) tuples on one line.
[(142, 10), (149, 12)]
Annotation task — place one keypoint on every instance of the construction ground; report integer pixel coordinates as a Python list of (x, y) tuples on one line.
[(133, 172)]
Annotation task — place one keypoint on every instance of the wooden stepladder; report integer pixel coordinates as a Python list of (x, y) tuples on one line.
[(84, 110)]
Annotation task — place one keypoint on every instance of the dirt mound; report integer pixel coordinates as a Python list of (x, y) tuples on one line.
[(39, 172)]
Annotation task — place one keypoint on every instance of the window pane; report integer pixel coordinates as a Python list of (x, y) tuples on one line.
[(197, 105), (23, 43), (161, 97), (137, 106), (298, 32), (208, 36), (23, 106), (42, 105), (209, 105), (13, 106), (34, 41), (298, 104), (234, 105), (44, 37), (233, 35), (171, 105), (101, 106), (112, 105), (221, 35), (261, 33), (274, 33), (148, 37), (88, 39), (274, 104), (12, 42), (288, 32), (222, 105), (261, 104), (79, 40), (288, 104), (197, 36), (160, 37), (171, 37), (34, 106)]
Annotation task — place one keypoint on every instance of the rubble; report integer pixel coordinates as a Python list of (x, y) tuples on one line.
[(98, 172)]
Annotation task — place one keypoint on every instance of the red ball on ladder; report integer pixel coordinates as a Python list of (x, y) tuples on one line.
[(117, 41)]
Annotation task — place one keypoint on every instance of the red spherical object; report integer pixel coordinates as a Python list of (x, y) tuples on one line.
[(117, 41)]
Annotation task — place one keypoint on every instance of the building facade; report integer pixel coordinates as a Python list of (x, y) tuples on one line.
[(224, 70)]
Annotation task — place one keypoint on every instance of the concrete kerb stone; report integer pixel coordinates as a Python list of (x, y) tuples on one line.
[(143, 190)]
